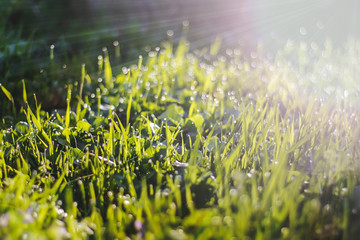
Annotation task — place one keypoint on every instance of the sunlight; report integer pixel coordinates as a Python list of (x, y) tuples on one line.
[(244, 22)]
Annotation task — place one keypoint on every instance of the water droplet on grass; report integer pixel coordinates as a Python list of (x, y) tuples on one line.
[(152, 54), (170, 33), (110, 194), (138, 225), (233, 192)]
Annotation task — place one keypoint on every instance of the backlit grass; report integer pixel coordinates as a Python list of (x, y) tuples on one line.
[(189, 146)]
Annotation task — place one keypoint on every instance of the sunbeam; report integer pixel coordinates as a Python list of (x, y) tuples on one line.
[(245, 22)]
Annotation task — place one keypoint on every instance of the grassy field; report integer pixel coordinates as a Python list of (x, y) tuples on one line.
[(188, 145)]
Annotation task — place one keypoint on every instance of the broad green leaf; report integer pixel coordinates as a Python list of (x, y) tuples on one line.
[(99, 120), (77, 153), (66, 132), (173, 113), (150, 152), (83, 125), (198, 121), (22, 127)]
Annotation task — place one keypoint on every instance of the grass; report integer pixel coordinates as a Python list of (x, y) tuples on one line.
[(182, 145)]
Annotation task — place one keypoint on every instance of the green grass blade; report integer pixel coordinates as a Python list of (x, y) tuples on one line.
[(7, 93)]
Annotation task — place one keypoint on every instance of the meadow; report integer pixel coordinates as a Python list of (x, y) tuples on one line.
[(204, 144)]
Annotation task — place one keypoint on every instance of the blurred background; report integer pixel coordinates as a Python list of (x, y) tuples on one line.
[(79, 29), (136, 23), (243, 22)]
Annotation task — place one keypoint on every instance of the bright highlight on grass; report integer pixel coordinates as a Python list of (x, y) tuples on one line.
[(190, 145), (190, 140)]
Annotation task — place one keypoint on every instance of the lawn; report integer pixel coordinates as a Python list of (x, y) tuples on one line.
[(189, 145), (179, 143)]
